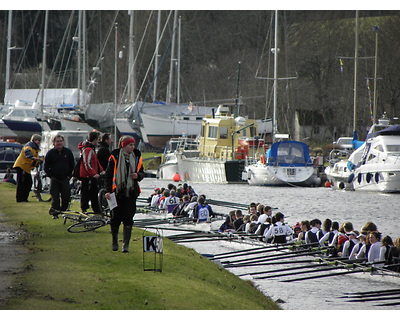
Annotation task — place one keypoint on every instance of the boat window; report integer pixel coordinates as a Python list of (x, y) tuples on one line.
[(18, 113), (253, 131), (199, 118), (371, 157), (186, 118), (379, 148), (393, 148), (223, 133), (212, 131), (31, 113)]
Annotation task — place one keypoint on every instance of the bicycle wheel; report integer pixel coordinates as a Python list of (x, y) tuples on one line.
[(87, 225), (103, 204)]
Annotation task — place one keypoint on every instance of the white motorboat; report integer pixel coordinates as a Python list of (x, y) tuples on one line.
[(338, 172), (376, 164), (182, 145), (286, 163)]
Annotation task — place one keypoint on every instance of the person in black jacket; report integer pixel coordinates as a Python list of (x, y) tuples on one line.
[(103, 152), (58, 165), (124, 171)]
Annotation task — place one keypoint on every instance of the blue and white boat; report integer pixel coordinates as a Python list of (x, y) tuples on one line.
[(286, 163)]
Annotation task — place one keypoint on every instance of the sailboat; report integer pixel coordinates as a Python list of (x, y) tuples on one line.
[(35, 110), (286, 163)]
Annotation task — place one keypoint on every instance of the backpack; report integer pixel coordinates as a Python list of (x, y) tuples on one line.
[(77, 168)]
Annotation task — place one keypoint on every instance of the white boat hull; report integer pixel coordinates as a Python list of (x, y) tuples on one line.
[(338, 176), (264, 175), (210, 170), (376, 180)]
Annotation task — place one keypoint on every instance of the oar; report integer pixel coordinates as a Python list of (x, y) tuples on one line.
[(286, 269), (371, 292), (300, 272), (387, 304), (377, 294), (325, 275), (374, 299), (278, 255), (252, 251), (257, 263)]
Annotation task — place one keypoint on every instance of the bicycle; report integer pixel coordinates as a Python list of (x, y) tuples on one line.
[(84, 221)]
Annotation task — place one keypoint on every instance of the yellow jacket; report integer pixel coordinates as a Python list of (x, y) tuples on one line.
[(25, 159)]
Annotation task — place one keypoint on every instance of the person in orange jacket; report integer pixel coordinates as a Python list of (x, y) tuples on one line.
[(124, 171)]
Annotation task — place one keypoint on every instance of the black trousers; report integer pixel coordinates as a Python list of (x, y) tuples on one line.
[(24, 185), (60, 188), (89, 192), (124, 212)]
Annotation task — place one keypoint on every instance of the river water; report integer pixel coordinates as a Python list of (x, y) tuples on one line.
[(305, 204)]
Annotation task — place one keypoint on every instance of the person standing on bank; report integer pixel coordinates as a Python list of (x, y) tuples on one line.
[(124, 171), (26, 161), (58, 165), (90, 170), (103, 152)]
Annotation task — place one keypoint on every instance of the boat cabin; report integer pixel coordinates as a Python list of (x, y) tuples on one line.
[(220, 133)]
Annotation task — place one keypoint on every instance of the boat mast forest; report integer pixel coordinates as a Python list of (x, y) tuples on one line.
[(212, 43)]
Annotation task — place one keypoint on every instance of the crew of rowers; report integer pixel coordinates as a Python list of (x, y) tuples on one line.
[(340, 240), (181, 201)]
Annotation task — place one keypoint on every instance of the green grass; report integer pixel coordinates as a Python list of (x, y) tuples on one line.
[(65, 271)]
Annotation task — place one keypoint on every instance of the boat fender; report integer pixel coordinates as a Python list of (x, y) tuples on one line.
[(377, 177), (359, 177), (368, 177), (341, 185), (263, 159), (328, 184), (176, 177)]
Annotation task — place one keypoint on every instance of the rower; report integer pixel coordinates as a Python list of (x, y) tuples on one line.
[(279, 231)]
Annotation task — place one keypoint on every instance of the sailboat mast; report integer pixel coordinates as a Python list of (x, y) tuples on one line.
[(44, 60), (8, 51), (157, 56), (132, 67), (355, 74), (171, 69), (274, 119)]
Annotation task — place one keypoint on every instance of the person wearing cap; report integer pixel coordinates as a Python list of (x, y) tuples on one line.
[(297, 230), (349, 244), (359, 250), (90, 170), (27, 160), (124, 171)]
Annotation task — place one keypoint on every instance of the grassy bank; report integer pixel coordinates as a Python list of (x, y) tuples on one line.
[(80, 272)]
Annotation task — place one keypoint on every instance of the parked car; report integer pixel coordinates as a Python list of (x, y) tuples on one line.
[(9, 152), (344, 143)]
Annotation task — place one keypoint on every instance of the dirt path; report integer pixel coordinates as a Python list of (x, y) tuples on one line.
[(12, 258)]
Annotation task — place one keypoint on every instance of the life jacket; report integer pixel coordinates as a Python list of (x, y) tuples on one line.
[(139, 164), (313, 237), (279, 234)]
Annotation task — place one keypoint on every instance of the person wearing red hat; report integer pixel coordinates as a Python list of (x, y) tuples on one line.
[(124, 171)]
